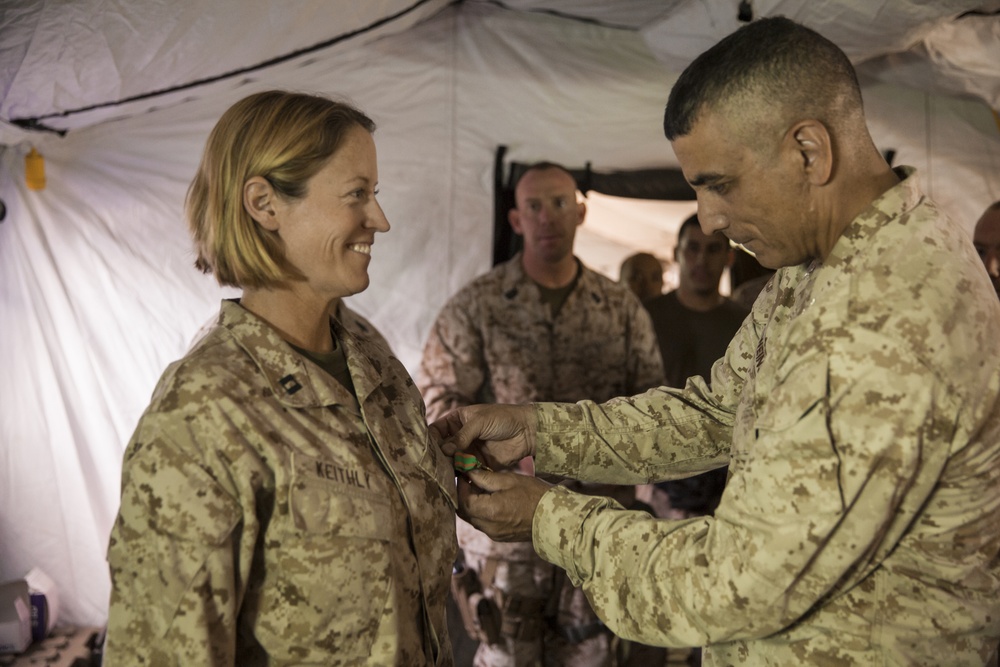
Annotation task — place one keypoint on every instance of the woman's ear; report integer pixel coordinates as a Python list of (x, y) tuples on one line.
[(259, 201), (811, 140)]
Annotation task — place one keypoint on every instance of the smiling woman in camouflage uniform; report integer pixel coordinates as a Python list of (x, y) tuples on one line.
[(282, 501)]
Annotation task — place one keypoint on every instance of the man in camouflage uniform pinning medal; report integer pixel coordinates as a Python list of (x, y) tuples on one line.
[(858, 407)]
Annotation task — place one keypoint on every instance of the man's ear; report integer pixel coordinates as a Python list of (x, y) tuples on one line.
[(514, 218), (811, 142), (581, 211), (259, 201)]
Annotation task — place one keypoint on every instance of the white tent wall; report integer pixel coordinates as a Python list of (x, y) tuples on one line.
[(954, 142), (98, 292)]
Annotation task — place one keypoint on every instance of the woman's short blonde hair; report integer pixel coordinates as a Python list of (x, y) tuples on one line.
[(281, 136)]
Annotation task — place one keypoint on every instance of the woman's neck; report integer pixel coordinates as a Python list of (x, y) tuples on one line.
[(302, 322)]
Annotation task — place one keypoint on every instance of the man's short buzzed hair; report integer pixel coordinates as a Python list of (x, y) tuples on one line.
[(773, 66), (544, 165)]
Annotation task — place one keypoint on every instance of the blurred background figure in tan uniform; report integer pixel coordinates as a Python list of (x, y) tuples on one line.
[(539, 327)]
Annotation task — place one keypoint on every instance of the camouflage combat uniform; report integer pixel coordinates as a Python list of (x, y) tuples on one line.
[(859, 411), (496, 341), (269, 518)]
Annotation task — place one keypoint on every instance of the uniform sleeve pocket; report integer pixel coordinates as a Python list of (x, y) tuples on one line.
[(173, 517)]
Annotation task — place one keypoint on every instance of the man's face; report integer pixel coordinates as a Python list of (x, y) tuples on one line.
[(757, 197), (987, 241), (701, 259), (547, 214)]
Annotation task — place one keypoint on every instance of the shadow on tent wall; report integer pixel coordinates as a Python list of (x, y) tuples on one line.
[(660, 184)]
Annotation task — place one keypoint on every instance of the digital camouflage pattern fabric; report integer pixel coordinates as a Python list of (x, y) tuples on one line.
[(496, 341), (269, 518), (859, 411)]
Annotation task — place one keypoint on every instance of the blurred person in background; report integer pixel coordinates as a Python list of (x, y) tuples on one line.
[(643, 274)]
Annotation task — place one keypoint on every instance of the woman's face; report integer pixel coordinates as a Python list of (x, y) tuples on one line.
[(328, 233)]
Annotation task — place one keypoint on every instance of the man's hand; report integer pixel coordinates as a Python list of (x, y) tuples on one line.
[(500, 435), (501, 505)]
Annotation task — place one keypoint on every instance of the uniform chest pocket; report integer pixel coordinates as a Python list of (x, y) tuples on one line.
[(339, 498), (782, 402), (330, 563), (320, 508)]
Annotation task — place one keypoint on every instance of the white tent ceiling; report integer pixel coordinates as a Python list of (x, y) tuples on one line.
[(97, 292), (83, 58)]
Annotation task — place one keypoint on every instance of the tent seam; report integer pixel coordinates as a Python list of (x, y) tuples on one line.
[(34, 123)]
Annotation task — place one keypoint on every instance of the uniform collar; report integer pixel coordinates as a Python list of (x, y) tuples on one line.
[(861, 237), (296, 381), (515, 278)]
